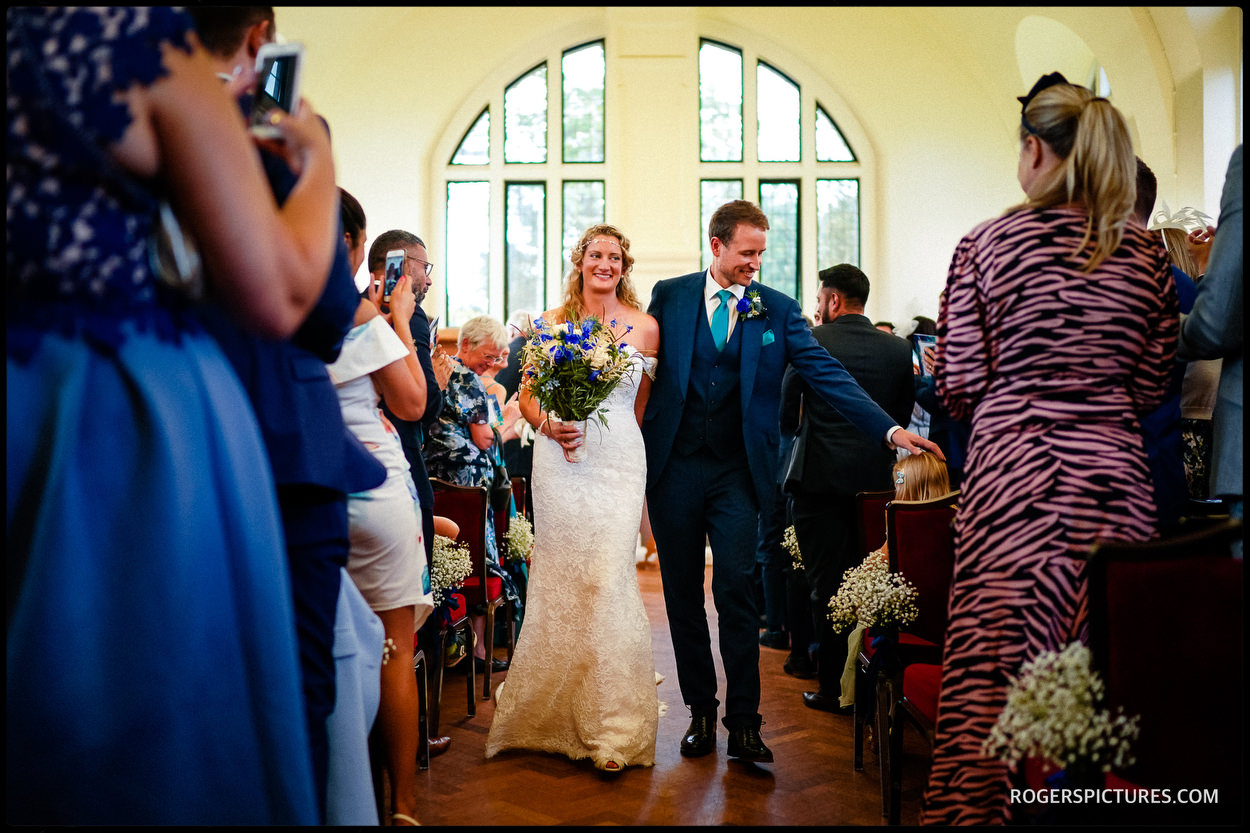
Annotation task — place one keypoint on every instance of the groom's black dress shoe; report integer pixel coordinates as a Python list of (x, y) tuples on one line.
[(745, 744), (700, 738), (826, 703)]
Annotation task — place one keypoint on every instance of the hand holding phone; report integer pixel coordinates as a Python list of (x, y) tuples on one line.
[(394, 268), (278, 71)]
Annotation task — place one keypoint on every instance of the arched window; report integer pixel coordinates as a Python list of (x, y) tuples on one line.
[(531, 171), (544, 176), (772, 165)]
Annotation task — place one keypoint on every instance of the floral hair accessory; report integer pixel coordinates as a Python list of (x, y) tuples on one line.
[(750, 306), (586, 245), (898, 477), (1185, 219)]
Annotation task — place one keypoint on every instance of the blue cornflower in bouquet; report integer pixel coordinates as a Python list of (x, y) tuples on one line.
[(750, 305), (571, 367)]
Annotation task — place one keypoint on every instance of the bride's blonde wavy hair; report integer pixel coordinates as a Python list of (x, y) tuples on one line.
[(574, 291), (1099, 168)]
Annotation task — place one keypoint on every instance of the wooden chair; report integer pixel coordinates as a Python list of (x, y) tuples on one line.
[(420, 668), (377, 751), (466, 505), (869, 533), (1166, 636), (922, 548), (458, 622), (870, 519), (520, 493)]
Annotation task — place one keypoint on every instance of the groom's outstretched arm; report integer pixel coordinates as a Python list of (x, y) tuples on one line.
[(832, 382)]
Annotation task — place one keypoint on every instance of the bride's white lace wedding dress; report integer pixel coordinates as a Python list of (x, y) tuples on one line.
[(582, 681)]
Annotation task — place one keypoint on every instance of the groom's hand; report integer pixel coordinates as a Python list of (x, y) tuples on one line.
[(915, 444)]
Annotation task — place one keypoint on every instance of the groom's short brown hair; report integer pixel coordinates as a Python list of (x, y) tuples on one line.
[(725, 220)]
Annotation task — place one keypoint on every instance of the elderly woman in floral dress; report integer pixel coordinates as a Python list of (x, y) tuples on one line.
[(459, 448)]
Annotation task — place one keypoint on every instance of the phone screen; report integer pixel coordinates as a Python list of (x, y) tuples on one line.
[(277, 85), (394, 268)]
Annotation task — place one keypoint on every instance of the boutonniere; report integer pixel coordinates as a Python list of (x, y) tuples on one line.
[(750, 306)]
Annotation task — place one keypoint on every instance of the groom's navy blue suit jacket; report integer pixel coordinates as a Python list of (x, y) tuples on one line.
[(771, 341)]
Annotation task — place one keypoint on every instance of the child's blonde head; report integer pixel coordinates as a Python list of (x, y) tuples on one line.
[(920, 477)]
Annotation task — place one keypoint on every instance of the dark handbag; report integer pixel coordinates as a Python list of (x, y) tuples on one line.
[(500, 486)]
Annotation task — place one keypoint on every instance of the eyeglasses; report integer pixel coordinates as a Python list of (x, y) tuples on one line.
[(429, 267)]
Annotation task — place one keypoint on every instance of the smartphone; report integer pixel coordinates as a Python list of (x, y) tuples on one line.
[(394, 268), (434, 332), (277, 85)]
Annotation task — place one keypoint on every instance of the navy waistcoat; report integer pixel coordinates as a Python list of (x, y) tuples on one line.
[(712, 416)]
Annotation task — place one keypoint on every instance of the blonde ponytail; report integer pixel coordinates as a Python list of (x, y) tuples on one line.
[(1098, 171)]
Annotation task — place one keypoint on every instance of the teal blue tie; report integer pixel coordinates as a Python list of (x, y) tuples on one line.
[(720, 319)]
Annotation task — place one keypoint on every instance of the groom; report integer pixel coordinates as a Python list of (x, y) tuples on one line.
[(711, 431)]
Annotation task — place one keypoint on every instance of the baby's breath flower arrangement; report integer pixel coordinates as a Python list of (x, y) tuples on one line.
[(572, 367), (451, 566), (872, 596), (790, 540), (519, 539), (1052, 713)]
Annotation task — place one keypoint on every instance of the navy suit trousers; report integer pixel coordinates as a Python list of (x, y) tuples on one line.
[(702, 497)]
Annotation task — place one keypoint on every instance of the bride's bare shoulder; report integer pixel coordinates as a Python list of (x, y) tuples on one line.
[(645, 332)]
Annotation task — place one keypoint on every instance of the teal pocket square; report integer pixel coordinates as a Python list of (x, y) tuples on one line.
[(769, 338)]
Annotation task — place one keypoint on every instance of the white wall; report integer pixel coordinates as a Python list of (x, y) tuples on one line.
[(932, 90)]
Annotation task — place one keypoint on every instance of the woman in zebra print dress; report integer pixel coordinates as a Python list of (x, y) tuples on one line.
[(1058, 327)]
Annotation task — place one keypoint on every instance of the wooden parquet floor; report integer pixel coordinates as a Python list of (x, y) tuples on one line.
[(812, 781)]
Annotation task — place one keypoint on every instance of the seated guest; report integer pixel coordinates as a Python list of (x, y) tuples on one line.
[(459, 446)]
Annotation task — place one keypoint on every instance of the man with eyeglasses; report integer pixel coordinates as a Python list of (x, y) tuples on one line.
[(417, 267)]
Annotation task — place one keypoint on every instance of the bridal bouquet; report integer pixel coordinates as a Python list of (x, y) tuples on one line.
[(1052, 713), (871, 596), (451, 566), (572, 367), (518, 540)]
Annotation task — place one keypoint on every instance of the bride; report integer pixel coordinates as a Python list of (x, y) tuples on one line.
[(582, 680)]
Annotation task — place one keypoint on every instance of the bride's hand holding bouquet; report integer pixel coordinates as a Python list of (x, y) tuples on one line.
[(569, 369)]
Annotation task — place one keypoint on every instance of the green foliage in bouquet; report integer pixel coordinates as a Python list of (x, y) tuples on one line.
[(572, 367)]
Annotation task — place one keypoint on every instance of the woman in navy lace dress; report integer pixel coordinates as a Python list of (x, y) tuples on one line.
[(151, 669)]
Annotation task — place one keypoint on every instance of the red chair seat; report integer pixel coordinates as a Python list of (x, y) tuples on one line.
[(457, 607), (921, 682), (906, 642), (472, 588)]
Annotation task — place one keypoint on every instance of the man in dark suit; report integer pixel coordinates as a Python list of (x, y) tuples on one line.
[(316, 460), (1214, 329), (417, 267), (836, 462), (712, 436)]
